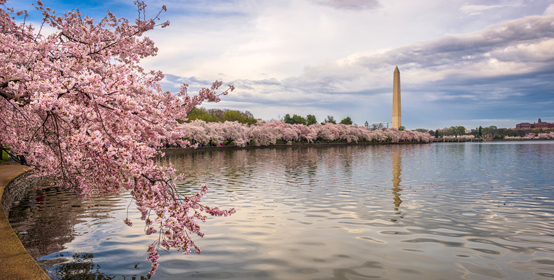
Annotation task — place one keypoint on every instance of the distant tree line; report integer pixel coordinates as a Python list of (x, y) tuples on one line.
[(490, 132), (221, 115), (246, 117), (262, 133), (311, 119)]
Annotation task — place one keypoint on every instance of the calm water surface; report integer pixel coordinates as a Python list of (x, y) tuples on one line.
[(434, 211)]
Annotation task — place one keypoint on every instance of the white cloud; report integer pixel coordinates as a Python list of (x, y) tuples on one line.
[(477, 9), (549, 10), (351, 4)]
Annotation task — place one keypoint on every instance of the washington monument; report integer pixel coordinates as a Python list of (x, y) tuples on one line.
[(396, 112)]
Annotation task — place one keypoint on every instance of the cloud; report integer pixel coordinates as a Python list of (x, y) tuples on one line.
[(511, 37), (517, 47), (490, 74), (351, 4), (321, 60), (549, 10), (473, 10)]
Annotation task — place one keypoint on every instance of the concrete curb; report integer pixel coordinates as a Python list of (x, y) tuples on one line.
[(15, 262)]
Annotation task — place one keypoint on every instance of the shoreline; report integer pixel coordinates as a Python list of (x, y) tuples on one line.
[(488, 140), (280, 146), (15, 261), (171, 151)]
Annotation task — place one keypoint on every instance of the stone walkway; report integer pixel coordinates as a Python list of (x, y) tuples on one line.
[(15, 262)]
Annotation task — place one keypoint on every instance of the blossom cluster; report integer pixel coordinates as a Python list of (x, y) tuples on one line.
[(263, 134), (80, 109), (461, 137)]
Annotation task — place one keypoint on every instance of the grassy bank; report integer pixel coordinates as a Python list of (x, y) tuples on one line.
[(5, 156)]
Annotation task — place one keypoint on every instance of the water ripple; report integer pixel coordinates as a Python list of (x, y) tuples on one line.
[(441, 211)]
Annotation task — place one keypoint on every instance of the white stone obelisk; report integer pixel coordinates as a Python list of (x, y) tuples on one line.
[(396, 112)]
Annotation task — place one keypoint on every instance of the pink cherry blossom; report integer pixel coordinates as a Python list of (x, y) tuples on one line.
[(81, 110)]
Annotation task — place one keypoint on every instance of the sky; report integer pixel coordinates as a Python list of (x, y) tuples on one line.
[(469, 63)]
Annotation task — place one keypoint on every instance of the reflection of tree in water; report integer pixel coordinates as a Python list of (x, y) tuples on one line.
[(47, 218), (241, 165), (299, 165), (347, 161), (82, 267), (229, 164)]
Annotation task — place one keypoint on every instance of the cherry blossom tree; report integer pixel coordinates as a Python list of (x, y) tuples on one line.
[(197, 131), (379, 135), (290, 132), (408, 135), (234, 132), (80, 109), (546, 135), (530, 136), (333, 131), (262, 134), (467, 137), (304, 133), (268, 133)]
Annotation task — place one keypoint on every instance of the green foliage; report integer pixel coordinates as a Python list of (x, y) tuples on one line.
[(480, 131), (295, 119), (251, 121), (456, 130), (287, 119), (233, 115), (5, 156), (219, 115), (329, 119), (506, 132), (422, 130), (346, 121), (492, 131), (298, 120), (401, 128), (201, 114), (437, 133), (311, 119)]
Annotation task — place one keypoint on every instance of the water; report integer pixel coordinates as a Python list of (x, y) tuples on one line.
[(432, 211)]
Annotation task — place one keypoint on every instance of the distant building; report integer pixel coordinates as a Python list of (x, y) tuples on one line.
[(524, 125), (539, 124), (366, 125)]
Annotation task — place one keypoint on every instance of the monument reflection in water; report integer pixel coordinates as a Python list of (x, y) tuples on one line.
[(396, 173), (436, 211)]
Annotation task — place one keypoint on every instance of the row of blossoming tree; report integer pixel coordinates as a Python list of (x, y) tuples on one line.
[(262, 133), (460, 137), (80, 109), (532, 136)]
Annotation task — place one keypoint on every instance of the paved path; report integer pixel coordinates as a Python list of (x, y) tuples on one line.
[(15, 262)]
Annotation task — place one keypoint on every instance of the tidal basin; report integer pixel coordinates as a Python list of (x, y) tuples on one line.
[(413, 211)]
